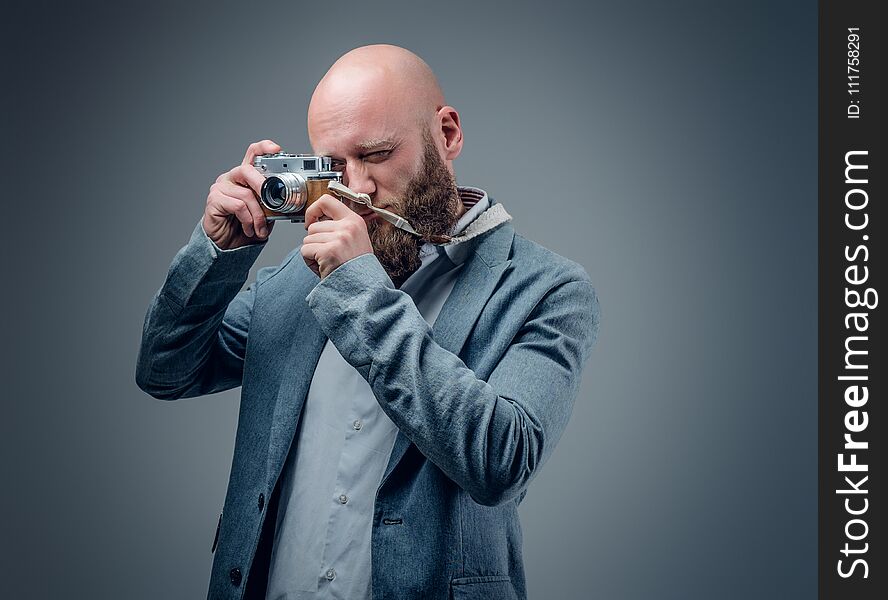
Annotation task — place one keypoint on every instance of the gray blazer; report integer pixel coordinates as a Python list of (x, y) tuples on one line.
[(480, 399)]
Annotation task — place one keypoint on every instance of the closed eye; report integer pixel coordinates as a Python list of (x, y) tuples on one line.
[(377, 156)]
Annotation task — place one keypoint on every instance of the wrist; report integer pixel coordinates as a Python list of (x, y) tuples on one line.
[(229, 243)]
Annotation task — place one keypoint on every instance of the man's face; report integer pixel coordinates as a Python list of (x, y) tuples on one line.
[(430, 203), (392, 159)]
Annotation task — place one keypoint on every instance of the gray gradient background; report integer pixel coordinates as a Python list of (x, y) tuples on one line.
[(685, 138)]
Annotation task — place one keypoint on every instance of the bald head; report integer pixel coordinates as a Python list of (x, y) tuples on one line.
[(377, 111), (381, 82)]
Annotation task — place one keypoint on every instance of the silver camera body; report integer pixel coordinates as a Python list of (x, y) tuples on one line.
[(293, 182)]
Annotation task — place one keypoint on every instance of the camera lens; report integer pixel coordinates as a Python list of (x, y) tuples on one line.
[(283, 192), (277, 193)]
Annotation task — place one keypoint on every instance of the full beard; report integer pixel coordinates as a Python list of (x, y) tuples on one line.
[(431, 204)]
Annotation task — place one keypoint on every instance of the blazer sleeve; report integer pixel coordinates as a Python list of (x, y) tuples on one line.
[(490, 437), (195, 332)]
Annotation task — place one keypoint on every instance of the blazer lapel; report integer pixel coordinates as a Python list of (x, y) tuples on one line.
[(295, 342), (480, 275)]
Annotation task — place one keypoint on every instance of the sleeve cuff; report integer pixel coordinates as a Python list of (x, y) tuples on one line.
[(343, 297), (202, 262)]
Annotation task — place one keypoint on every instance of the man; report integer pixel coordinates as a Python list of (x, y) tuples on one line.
[(398, 395)]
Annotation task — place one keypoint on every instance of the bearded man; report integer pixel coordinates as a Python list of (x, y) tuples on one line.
[(398, 395)]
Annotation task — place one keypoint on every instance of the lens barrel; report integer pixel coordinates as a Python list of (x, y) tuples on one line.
[(283, 192)]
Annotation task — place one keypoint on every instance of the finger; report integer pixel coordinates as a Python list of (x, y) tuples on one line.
[(248, 176), (327, 205), (257, 148), (326, 225), (238, 208), (322, 238), (229, 188), (309, 255), (235, 190)]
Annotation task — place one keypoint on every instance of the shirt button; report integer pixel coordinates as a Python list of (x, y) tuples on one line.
[(343, 498), (357, 424), (330, 574), (261, 502), (235, 576)]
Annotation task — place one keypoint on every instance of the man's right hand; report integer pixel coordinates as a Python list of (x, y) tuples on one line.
[(233, 217)]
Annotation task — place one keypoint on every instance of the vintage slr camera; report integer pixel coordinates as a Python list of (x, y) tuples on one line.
[(292, 183)]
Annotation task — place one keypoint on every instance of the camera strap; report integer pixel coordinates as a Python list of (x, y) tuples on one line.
[(343, 191), (493, 217)]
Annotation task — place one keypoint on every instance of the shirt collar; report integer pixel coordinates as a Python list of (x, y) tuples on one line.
[(476, 202)]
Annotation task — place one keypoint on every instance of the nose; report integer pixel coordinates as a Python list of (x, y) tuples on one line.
[(358, 179)]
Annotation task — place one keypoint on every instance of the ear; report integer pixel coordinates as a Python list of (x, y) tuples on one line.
[(450, 132)]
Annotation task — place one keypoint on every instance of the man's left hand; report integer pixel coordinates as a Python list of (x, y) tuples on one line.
[(341, 236)]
